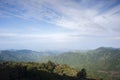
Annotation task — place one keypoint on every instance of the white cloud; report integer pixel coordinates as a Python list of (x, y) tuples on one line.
[(7, 34), (79, 16), (116, 38), (35, 36)]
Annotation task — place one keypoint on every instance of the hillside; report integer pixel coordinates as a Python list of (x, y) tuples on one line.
[(100, 63), (39, 71), (23, 55)]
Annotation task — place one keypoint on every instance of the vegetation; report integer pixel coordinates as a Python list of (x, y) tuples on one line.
[(38, 71), (100, 63)]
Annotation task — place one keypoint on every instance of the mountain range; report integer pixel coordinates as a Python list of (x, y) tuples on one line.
[(100, 62)]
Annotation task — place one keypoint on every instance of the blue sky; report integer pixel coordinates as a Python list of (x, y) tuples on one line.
[(59, 24)]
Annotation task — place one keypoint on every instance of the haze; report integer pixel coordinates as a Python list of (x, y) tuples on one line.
[(59, 24)]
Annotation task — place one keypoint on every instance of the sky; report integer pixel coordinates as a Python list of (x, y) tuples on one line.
[(59, 24)]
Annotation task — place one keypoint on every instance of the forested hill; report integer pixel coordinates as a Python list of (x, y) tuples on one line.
[(40, 71), (100, 62), (104, 58)]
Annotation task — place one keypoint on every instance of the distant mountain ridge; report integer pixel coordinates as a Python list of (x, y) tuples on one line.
[(30, 55), (22, 55), (101, 61)]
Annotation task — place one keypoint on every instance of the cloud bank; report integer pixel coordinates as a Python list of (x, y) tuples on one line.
[(85, 16), (88, 19)]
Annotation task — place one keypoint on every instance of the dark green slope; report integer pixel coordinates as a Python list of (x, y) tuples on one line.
[(101, 62), (107, 57), (36, 71)]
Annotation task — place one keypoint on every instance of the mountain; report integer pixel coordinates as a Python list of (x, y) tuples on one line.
[(22, 55), (103, 62), (100, 62)]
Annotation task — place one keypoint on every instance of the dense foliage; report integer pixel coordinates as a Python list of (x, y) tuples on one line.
[(38, 71)]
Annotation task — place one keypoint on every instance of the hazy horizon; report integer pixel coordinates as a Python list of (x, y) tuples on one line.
[(59, 24)]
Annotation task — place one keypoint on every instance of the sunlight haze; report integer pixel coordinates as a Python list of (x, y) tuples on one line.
[(59, 24)]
